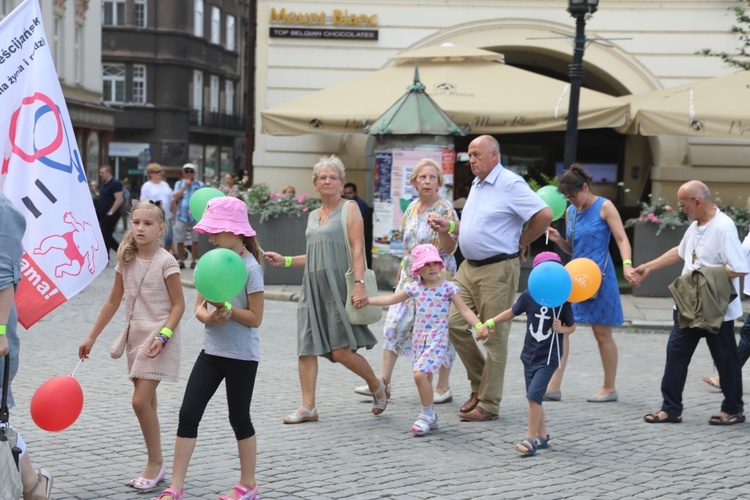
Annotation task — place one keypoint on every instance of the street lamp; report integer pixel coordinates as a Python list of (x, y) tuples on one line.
[(582, 11)]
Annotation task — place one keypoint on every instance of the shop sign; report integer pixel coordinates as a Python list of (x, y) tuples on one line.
[(319, 25)]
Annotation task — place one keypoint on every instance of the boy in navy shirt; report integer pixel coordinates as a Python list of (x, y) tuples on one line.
[(541, 354)]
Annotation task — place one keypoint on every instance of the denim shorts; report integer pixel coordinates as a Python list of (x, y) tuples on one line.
[(537, 378)]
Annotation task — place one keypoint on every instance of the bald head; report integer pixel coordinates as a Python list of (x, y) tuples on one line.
[(694, 199), (484, 154), (696, 189)]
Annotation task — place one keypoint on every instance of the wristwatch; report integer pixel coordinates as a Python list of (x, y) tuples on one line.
[(360, 281)]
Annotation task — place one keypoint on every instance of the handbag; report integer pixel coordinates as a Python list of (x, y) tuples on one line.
[(368, 314), (606, 260), (118, 346), (11, 487)]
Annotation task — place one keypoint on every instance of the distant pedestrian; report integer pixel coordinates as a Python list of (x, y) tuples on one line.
[(231, 351), (183, 191), (711, 252), (156, 188), (233, 189), (127, 204), (541, 354), (148, 278), (433, 296), (289, 191), (111, 199)]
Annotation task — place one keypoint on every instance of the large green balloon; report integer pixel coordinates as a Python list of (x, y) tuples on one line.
[(554, 199), (220, 275), (199, 200)]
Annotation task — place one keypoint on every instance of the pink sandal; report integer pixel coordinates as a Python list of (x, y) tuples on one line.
[(145, 484), (243, 493), (174, 494)]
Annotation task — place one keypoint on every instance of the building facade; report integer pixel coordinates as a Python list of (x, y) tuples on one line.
[(643, 46), (73, 29), (174, 71)]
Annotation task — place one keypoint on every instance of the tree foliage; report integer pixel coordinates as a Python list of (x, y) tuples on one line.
[(742, 29)]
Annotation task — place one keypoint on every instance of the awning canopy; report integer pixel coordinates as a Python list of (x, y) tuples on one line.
[(716, 107), (489, 96)]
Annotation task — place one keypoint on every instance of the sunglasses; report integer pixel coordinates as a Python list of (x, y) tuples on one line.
[(189, 171)]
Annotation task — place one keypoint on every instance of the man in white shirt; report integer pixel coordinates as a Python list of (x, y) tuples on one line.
[(710, 241), (158, 189), (493, 241)]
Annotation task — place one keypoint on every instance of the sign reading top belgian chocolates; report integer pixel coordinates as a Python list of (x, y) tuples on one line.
[(333, 26)]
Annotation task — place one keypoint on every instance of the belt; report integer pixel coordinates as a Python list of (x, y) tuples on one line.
[(492, 260)]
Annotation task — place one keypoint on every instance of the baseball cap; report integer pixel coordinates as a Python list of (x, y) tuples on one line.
[(189, 166)]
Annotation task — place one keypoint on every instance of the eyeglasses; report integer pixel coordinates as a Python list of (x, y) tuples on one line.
[(155, 172), (571, 197), (325, 178), (189, 171), (683, 203)]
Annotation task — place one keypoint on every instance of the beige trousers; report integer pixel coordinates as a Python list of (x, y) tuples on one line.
[(488, 291)]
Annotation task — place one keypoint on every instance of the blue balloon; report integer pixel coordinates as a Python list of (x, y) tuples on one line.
[(550, 284)]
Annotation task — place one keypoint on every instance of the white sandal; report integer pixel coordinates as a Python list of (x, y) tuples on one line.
[(379, 404), (302, 415)]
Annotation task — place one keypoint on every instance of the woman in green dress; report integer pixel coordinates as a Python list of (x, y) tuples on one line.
[(323, 327)]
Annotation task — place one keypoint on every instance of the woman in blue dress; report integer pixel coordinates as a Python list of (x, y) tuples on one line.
[(590, 222)]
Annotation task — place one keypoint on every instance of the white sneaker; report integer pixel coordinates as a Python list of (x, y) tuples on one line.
[(424, 424), (445, 397), (365, 391)]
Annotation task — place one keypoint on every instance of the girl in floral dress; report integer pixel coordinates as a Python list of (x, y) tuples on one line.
[(432, 295)]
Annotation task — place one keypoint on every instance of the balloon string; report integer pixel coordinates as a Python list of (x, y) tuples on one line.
[(546, 237), (196, 312), (79, 364)]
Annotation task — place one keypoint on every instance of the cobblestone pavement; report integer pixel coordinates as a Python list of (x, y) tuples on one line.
[(597, 451)]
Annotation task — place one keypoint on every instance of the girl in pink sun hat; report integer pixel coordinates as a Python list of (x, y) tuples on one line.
[(538, 356), (433, 296), (231, 352)]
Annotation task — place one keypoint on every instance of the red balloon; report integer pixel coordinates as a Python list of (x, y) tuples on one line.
[(57, 403)]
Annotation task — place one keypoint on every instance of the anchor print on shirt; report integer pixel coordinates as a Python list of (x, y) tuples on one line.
[(538, 334)]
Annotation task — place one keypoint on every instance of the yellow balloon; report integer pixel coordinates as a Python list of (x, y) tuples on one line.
[(586, 277)]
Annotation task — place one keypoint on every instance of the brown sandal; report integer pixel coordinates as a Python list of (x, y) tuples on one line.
[(28, 494), (653, 418)]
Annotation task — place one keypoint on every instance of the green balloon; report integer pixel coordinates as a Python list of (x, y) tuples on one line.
[(554, 199), (199, 200), (220, 275)]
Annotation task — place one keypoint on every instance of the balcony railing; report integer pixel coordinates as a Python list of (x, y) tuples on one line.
[(213, 119)]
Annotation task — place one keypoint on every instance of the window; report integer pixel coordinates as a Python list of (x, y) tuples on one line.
[(57, 36), (229, 97), (139, 13), (213, 105), (230, 33), (139, 84), (113, 12), (198, 17), (215, 25), (113, 83), (197, 90), (78, 51)]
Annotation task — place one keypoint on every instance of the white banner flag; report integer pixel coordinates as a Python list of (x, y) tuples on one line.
[(42, 172)]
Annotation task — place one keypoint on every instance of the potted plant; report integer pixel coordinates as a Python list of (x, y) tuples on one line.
[(280, 222)]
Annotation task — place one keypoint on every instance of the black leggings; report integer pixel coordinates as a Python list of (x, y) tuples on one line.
[(207, 374)]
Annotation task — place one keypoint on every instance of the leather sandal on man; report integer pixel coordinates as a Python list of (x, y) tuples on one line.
[(656, 418), (727, 419), (478, 414)]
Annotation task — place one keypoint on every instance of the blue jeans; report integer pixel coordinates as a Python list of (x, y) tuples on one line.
[(680, 349)]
